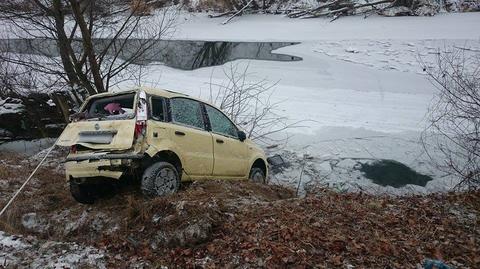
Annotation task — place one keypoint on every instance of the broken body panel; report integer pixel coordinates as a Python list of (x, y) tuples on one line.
[(113, 145)]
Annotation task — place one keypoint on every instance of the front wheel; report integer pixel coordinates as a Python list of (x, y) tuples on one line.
[(159, 179), (257, 175)]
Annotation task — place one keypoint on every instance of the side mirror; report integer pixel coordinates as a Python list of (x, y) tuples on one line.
[(242, 136), (77, 116)]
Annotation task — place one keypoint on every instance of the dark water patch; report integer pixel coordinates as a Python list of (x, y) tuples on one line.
[(393, 173), (181, 54)]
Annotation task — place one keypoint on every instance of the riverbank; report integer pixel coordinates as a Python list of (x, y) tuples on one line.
[(225, 223)]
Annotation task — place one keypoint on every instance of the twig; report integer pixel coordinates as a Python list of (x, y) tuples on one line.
[(222, 14), (238, 12)]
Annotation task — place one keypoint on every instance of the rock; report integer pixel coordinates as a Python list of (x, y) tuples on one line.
[(32, 222), (352, 50), (74, 225), (194, 233), (425, 8), (396, 11)]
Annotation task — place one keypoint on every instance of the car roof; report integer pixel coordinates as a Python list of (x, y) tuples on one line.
[(157, 92), (150, 91)]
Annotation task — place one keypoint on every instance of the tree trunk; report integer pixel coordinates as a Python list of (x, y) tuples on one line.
[(88, 46)]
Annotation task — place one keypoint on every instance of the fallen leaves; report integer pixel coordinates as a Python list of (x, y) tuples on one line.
[(348, 230), (240, 224)]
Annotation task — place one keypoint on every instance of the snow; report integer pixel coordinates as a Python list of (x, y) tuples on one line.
[(16, 252), (11, 241), (10, 108), (280, 28), (361, 85)]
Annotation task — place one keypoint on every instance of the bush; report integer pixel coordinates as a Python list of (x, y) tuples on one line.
[(454, 118)]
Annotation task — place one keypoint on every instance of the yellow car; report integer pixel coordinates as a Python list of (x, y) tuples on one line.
[(162, 136)]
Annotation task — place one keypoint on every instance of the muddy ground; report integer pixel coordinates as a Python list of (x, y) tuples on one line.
[(231, 224)]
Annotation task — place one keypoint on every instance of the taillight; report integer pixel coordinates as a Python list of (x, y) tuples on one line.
[(140, 127), (73, 149), (142, 114)]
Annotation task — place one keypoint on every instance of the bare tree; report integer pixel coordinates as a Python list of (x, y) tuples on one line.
[(95, 42), (249, 104), (454, 127)]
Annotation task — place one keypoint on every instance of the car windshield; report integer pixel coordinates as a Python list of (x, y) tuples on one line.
[(111, 108)]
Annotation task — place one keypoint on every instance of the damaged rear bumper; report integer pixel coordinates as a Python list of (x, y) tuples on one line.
[(100, 165), (106, 156)]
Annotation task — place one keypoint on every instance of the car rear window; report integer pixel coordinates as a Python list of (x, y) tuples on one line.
[(158, 108), (113, 107)]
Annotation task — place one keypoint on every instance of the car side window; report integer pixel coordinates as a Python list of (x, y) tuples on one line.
[(220, 123), (187, 112), (157, 110)]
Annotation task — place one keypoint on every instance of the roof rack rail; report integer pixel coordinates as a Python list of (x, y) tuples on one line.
[(176, 92)]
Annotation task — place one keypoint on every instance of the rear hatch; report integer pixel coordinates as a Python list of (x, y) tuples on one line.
[(107, 121)]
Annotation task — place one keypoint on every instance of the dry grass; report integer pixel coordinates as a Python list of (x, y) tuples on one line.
[(240, 223), (140, 8), (45, 193)]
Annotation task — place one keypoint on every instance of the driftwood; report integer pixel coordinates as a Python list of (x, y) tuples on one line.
[(310, 10), (336, 8), (238, 12), (332, 8), (222, 14), (327, 13)]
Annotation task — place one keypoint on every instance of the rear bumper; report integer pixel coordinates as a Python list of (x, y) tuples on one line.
[(106, 156), (104, 165)]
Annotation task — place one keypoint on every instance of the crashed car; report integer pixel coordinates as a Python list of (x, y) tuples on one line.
[(160, 137)]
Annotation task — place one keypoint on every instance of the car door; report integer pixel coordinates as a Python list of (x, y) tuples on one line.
[(189, 134), (230, 154)]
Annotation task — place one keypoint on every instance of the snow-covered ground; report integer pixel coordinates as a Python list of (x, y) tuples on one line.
[(361, 83), (20, 252)]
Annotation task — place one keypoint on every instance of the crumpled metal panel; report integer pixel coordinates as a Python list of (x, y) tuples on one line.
[(94, 134)]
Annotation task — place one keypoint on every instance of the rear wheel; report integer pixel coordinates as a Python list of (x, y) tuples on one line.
[(160, 178), (82, 193), (257, 175)]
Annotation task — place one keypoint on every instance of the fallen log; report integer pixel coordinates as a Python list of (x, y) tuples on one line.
[(238, 12), (337, 8), (373, 4), (301, 13), (222, 14), (341, 8), (326, 13)]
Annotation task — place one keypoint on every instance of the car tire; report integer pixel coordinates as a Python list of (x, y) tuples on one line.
[(159, 179), (82, 193), (257, 175)]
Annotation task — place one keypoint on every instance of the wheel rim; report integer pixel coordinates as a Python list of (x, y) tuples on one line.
[(258, 177), (166, 181)]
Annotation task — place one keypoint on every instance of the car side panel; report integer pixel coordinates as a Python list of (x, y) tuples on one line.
[(194, 147), (230, 156)]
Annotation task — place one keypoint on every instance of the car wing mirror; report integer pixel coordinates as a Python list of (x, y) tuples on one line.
[(77, 116), (242, 136)]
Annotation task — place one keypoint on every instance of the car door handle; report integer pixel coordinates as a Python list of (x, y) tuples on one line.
[(179, 133), (220, 141)]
